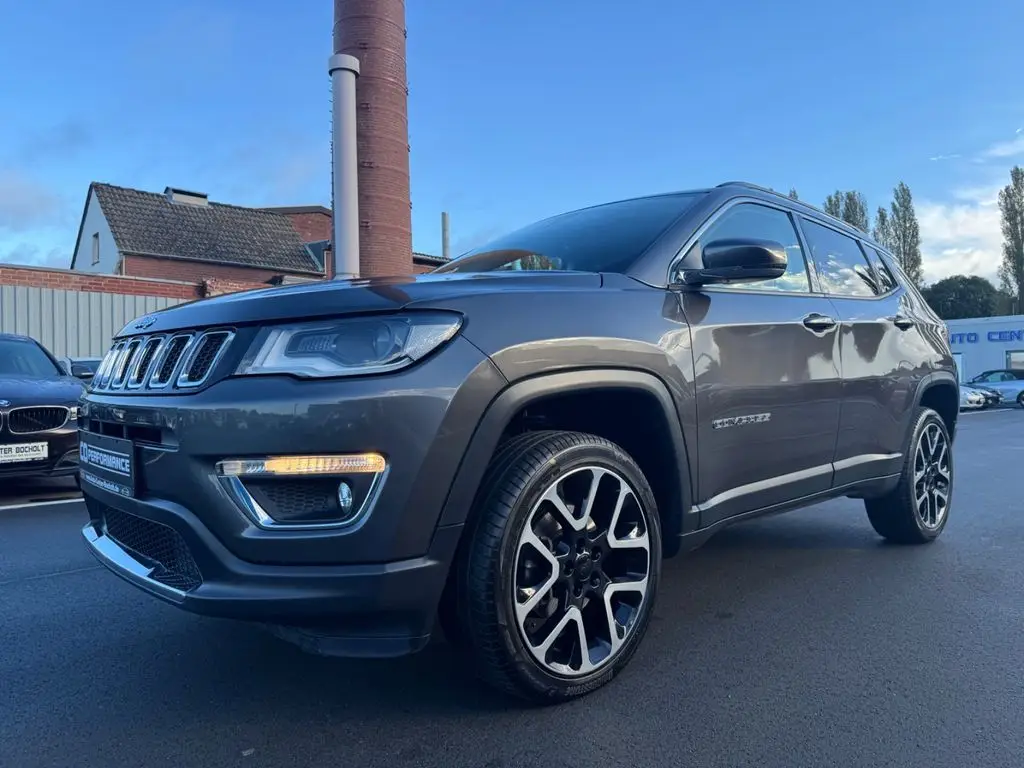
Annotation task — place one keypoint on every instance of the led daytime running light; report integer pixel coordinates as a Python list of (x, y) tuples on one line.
[(356, 463)]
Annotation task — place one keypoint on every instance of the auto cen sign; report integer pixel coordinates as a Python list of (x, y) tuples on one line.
[(993, 336)]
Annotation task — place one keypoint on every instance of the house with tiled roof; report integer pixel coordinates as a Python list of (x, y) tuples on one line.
[(183, 235)]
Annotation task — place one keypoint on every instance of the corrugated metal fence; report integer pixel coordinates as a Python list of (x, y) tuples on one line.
[(72, 323)]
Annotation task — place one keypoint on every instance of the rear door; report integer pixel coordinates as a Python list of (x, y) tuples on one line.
[(767, 375), (880, 346)]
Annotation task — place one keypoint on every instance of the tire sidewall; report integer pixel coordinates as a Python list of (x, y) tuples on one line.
[(927, 418), (608, 457)]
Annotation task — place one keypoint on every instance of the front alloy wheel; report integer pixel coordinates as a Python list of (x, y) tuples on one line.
[(581, 571), (554, 587)]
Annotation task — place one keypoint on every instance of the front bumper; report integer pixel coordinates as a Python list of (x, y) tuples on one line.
[(371, 589), (348, 610), (62, 459)]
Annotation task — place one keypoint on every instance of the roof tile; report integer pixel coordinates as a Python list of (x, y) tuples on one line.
[(150, 224)]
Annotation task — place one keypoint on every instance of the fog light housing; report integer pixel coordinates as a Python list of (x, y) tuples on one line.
[(345, 498), (302, 492)]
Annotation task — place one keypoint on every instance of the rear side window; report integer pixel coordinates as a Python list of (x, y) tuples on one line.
[(886, 279), (842, 267)]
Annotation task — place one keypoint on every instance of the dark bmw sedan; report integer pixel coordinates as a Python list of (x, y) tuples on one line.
[(38, 412)]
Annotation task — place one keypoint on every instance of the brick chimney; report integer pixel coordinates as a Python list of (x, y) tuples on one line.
[(374, 32)]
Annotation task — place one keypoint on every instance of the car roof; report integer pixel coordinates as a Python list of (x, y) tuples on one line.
[(16, 337), (748, 189)]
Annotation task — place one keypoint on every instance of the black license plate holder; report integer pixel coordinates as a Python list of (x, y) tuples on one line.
[(107, 463)]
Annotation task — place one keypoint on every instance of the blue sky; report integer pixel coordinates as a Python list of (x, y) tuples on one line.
[(520, 109)]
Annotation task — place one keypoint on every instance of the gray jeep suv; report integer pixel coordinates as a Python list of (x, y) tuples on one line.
[(509, 446)]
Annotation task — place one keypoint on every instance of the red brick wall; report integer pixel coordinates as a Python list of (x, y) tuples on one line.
[(65, 280), (311, 226), (193, 272)]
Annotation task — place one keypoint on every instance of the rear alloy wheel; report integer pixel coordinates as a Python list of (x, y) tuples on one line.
[(562, 567), (917, 510)]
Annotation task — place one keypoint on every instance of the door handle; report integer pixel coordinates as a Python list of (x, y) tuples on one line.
[(902, 322), (817, 322)]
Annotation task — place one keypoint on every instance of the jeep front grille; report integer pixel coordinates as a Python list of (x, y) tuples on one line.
[(175, 361)]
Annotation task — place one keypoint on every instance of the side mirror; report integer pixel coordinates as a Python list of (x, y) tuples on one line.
[(738, 260), (83, 372)]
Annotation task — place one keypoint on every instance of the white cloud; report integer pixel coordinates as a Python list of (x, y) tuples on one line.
[(1010, 148), (961, 238), (944, 157)]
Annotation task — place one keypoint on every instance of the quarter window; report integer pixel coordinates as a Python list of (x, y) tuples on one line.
[(761, 222), (842, 268), (886, 280)]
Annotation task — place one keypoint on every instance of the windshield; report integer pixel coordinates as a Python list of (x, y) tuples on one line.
[(605, 238), (25, 358)]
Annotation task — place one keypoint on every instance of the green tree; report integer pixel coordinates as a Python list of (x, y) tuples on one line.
[(1011, 208), (792, 193), (850, 206), (882, 231), (834, 204), (962, 296), (855, 210), (906, 233)]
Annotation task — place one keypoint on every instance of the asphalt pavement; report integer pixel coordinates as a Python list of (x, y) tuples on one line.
[(799, 640)]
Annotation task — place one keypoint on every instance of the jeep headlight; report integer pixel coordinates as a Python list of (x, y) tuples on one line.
[(350, 346)]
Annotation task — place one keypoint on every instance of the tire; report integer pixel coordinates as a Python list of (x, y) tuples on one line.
[(448, 613), (928, 474), (533, 514), (1020, 399)]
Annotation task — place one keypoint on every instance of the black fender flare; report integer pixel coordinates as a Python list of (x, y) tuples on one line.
[(515, 397), (936, 378)]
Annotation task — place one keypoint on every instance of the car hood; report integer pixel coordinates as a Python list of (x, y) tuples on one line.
[(337, 297), (25, 390)]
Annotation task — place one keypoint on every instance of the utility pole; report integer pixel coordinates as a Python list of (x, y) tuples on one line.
[(444, 236), (344, 70)]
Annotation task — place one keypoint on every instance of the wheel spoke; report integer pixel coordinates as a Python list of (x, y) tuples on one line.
[(635, 538), (572, 616), (534, 594)]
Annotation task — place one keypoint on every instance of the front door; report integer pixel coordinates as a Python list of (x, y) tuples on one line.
[(767, 377)]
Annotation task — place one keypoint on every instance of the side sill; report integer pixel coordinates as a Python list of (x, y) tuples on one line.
[(858, 490)]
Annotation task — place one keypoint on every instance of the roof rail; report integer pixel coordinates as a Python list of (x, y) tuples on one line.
[(747, 184)]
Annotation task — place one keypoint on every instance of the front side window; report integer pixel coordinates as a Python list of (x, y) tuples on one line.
[(25, 358), (749, 220), (842, 267), (605, 238)]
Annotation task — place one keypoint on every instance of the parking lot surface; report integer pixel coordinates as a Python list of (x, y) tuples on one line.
[(799, 640)]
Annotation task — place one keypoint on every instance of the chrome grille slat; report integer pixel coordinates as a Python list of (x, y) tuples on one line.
[(149, 349), (171, 355), (124, 363), (203, 357)]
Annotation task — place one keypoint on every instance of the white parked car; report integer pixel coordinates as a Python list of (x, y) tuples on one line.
[(971, 399)]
